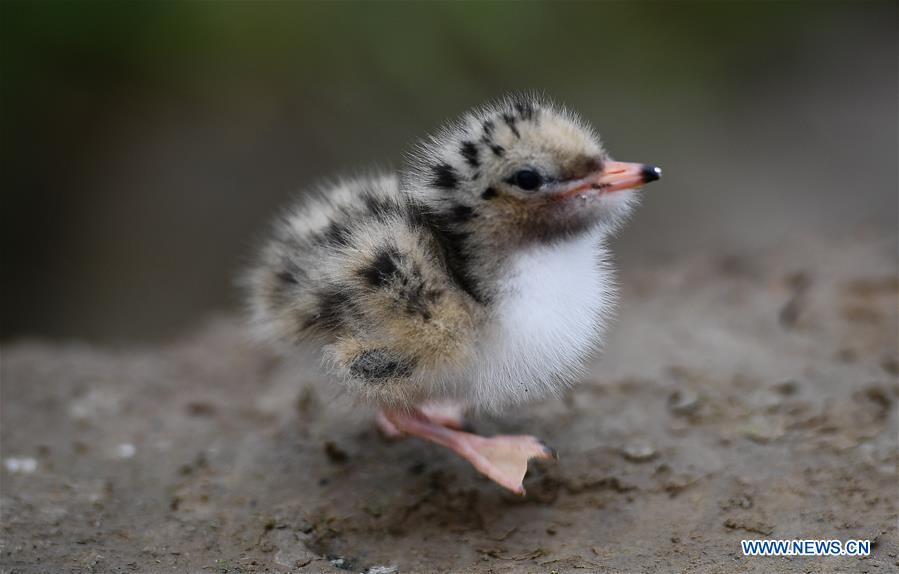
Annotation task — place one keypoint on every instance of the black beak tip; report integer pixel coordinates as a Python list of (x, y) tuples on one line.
[(651, 173)]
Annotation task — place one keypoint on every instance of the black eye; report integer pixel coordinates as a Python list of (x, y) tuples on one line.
[(528, 179)]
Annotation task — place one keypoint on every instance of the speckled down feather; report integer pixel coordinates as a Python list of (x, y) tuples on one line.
[(444, 281)]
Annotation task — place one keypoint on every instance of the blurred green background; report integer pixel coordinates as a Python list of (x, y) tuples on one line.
[(145, 145)]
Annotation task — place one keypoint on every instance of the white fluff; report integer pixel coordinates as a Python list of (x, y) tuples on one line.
[(549, 318)]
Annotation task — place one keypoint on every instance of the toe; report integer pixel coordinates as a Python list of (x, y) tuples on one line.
[(548, 451), (504, 459)]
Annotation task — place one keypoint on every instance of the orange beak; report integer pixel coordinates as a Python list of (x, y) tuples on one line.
[(618, 175), (615, 176)]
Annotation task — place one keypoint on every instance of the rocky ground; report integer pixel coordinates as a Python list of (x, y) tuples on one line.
[(740, 396)]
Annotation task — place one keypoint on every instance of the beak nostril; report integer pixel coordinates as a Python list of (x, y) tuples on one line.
[(651, 173)]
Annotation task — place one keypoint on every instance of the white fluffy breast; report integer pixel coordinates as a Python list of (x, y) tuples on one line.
[(548, 319)]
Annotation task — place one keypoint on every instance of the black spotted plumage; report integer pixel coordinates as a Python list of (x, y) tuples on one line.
[(336, 233), (331, 308), (525, 109), (487, 128), (445, 176), (462, 213), (454, 243), (489, 193), (470, 152), (376, 365), (383, 268), (510, 121)]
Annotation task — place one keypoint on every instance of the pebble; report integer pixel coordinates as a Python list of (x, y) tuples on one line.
[(683, 401), (25, 465), (125, 450), (291, 553), (639, 451), (293, 557), (763, 431), (341, 562)]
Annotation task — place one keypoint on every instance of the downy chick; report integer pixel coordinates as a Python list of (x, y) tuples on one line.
[(476, 278)]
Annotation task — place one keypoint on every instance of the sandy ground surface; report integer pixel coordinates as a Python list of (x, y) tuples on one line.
[(740, 396)]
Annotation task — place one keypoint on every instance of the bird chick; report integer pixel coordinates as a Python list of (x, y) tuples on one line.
[(475, 278)]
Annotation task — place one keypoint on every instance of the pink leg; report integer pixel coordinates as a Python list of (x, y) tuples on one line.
[(449, 414), (503, 459)]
